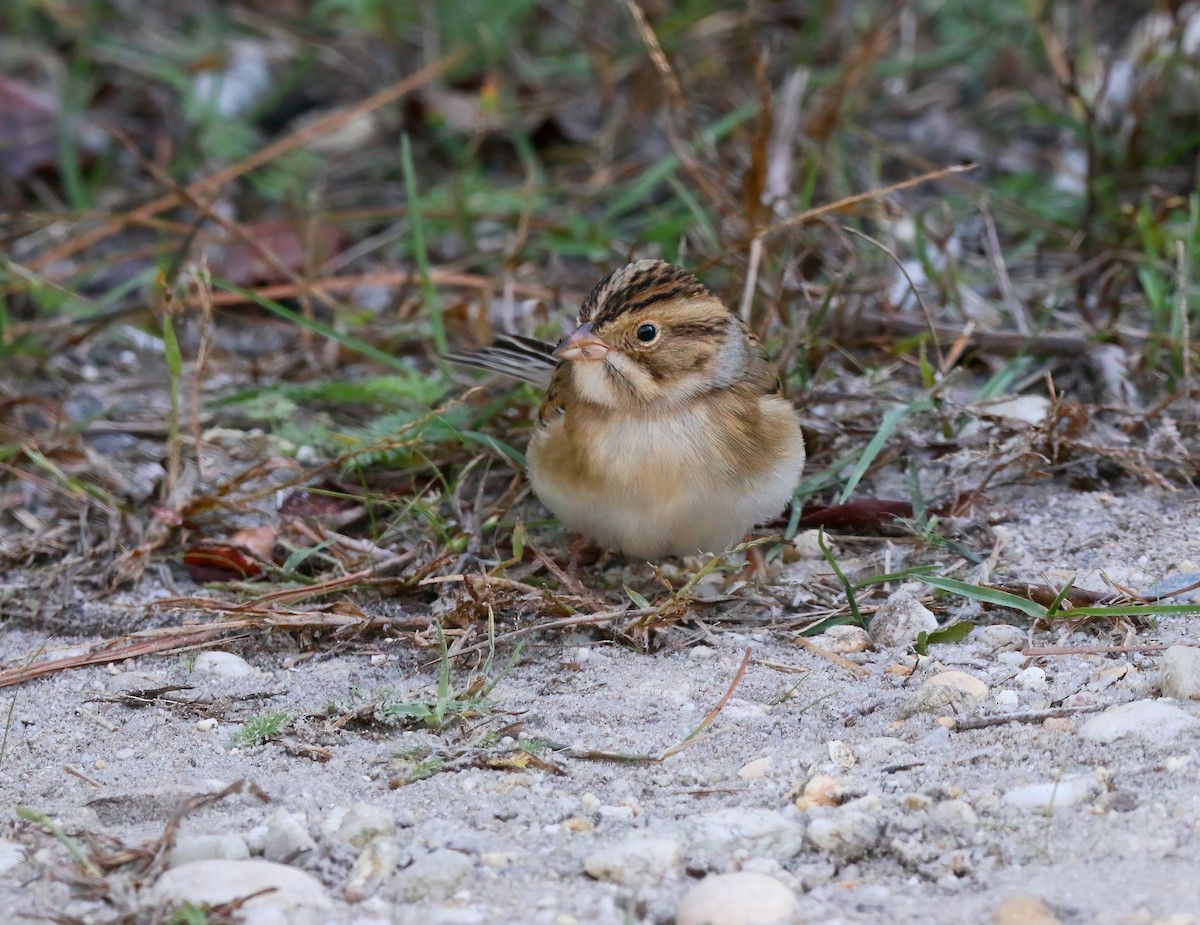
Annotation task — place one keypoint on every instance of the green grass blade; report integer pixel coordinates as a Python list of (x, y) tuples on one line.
[(421, 253), (986, 595), (317, 327), (886, 428)]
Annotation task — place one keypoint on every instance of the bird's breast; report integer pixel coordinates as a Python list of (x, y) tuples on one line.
[(696, 478)]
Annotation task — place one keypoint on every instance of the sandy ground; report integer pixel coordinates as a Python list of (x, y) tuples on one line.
[(908, 819)]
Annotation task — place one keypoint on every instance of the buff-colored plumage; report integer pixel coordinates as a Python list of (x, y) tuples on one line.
[(664, 430)]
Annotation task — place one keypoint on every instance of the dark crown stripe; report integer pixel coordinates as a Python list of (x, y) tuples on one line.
[(637, 286)]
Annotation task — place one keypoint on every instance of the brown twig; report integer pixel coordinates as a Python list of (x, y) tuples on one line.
[(1028, 716), (396, 278), (857, 670), (869, 325), (113, 651), (712, 714), (1037, 651), (841, 205)]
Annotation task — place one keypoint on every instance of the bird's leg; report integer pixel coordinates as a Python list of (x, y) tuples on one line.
[(583, 552)]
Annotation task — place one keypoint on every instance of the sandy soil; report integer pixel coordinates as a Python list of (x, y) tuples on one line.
[(925, 823)]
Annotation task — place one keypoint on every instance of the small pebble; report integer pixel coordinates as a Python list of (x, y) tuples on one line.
[(1081, 788), (635, 861), (206, 725), (844, 640), (374, 864), (434, 876), (1179, 673), (1026, 409), (11, 854), (953, 816), (842, 754), (1032, 678), (849, 832), (900, 620), (188, 848), (288, 841), (223, 664), (761, 832), (1024, 909), (755, 770), (359, 823), (216, 882), (821, 790), (947, 692), (1151, 720), (998, 637), (1007, 699), (743, 898)]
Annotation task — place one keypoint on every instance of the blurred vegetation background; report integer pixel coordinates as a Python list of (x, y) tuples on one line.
[(225, 220)]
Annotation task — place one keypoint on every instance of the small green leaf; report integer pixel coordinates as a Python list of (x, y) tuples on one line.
[(637, 599), (928, 377), (171, 348), (954, 632), (298, 556)]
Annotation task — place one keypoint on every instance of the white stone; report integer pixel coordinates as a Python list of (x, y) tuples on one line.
[(850, 831), (807, 544), (1007, 698), (288, 841), (844, 639), (761, 832), (743, 898), (900, 620), (1024, 909), (219, 881), (1027, 409), (953, 816), (755, 770), (820, 790), (1179, 673), (998, 637), (636, 861), (841, 754), (1032, 678), (223, 664), (374, 864), (947, 692), (189, 848), (361, 822), (434, 876), (621, 814), (11, 854), (1152, 720), (1067, 791)]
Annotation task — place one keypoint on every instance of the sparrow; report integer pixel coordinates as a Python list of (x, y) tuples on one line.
[(664, 429)]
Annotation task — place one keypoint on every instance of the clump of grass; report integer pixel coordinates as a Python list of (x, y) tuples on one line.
[(188, 914), (449, 703), (261, 728)]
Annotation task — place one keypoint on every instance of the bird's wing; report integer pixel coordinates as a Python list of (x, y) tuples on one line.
[(521, 358)]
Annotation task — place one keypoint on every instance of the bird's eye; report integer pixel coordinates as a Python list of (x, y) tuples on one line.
[(647, 333)]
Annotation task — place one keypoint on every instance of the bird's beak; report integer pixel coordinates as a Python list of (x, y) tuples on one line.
[(582, 344)]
